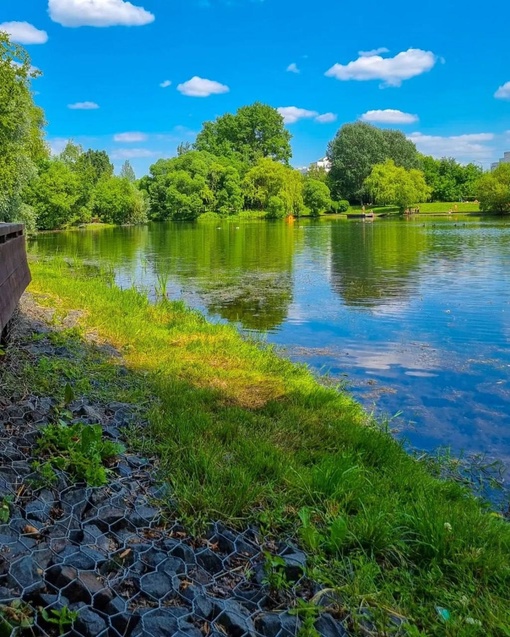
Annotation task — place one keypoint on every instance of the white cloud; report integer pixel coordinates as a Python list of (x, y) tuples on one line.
[(293, 68), (133, 153), (130, 137), (326, 118), (24, 33), (98, 13), (367, 54), (503, 92), (166, 84), (83, 106), (292, 114), (199, 87), (466, 148), (393, 71), (389, 116)]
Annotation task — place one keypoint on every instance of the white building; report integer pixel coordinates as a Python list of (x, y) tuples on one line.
[(323, 163)]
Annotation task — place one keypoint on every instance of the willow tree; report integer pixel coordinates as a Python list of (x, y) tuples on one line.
[(21, 122), (394, 185)]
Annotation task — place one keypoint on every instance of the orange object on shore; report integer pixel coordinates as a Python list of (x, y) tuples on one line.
[(290, 219)]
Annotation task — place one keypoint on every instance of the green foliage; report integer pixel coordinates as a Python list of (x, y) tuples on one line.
[(118, 200), (340, 206), (14, 617), (253, 132), (268, 180), (79, 449), (317, 172), (357, 148), (316, 196), (5, 509), (77, 186), (62, 618), (274, 573), (21, 144), (275, 208), (493, 190), (394, 185), (449, 180), (328, 536), (54, 196), (127, 172), (186, 186)]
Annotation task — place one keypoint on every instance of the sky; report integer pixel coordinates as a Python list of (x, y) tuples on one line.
[(137, 78)]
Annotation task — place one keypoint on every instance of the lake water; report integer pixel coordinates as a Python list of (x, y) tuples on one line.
[(413, 314)]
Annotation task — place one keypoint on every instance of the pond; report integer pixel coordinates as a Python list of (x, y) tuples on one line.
[(413, 315)]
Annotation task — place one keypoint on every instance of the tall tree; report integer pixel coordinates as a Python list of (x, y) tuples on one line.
[(21, 122), (127, 172), (356, 149), (252, 133), (93, 165)]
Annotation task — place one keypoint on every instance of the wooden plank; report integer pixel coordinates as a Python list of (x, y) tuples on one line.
[(14, 271), (7, 229)]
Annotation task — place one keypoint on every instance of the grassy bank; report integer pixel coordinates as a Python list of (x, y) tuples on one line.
[(427, 208), (245, 436)]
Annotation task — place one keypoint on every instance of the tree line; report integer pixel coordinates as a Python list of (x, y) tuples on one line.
[(239, 161)]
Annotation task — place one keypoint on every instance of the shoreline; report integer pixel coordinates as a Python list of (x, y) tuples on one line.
[(246, 437)]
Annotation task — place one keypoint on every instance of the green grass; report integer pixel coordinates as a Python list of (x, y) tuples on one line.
[(430, 207), (244, 436), (243, 215)]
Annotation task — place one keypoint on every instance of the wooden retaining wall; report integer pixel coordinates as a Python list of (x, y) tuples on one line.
[(14, 272)]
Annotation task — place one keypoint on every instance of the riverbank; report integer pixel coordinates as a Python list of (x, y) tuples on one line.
[(245, 437), (436, 207)]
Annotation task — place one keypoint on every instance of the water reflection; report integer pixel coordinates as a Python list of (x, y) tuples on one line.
[(416, 314), (373, 263)]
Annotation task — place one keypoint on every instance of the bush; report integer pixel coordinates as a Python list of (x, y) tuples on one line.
[(275, 208), (340, 206)]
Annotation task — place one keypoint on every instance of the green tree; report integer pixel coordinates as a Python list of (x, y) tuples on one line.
[(71, 153), (127, 171), (54, 196), (493, 190), (356, 149), (269, 179), (118, 200), (93, 165), (316, 196), (394, 185), (252, 133), (21, 144), (192, 183), (225, 184), (449, 180), (318, 173)]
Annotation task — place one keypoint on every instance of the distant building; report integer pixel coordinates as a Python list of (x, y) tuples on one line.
[(504, 160), (325, 163)]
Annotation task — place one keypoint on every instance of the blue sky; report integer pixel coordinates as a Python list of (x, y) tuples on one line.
[(439, 71)]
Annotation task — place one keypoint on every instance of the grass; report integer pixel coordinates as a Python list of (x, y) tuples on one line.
[(244, 436), (427, 208), (242, 215)]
